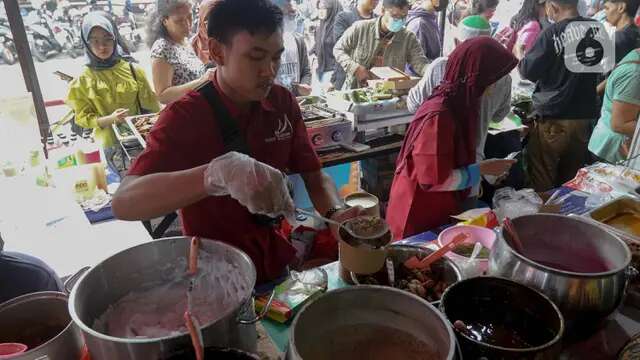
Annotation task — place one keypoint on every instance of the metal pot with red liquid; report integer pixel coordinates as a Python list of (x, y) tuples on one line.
[(40, 321), (133, 270), (579, 266)]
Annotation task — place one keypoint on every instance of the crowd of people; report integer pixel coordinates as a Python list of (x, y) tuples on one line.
[(231, 125)]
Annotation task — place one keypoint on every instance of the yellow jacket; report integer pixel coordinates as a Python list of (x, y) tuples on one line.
[(98, 93)]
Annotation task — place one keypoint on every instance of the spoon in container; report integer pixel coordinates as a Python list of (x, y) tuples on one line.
[(341, 225), (414, 263)]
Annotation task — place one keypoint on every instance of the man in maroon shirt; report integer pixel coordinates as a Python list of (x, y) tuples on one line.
[(190, 163)]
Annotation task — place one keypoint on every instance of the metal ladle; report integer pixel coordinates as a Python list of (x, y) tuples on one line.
[(313, 214)]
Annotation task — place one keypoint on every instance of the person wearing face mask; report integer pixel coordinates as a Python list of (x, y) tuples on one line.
[(564, 102), (362, 11), (379, 42), (110, 88), (219, 154), (175, 67), (200, 41), (423, 21), (295, 71)]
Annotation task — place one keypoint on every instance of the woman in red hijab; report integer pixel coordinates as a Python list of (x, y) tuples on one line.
[(437, 165), (200, 42)]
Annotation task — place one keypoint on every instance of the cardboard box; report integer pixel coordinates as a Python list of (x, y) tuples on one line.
[(392, 79)]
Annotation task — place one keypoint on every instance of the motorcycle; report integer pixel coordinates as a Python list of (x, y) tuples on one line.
[(49, 38), (129, 31), (7, 46)]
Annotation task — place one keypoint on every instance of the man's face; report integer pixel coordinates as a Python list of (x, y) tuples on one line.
[(614, 12), (552, 11), (393, 15), (369, 4), (488, 14), (250, 62), (438, 5)]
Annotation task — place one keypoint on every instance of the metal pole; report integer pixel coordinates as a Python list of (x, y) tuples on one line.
[(28, 69), (443, 18)]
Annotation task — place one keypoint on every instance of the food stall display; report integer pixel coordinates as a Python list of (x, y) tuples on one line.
[(369, 105), (132, 134), (327, 128), (142, 125), (381, 104)]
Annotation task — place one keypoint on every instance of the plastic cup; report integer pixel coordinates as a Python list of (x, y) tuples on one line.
[(10, 350)]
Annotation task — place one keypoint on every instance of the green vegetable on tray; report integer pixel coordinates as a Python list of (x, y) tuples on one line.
[(362, 96), (124, 129)]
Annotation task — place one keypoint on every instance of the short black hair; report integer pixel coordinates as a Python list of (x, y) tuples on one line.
[(566, 3), (401, 4), (480, 6), (632, 6), (229, 17)]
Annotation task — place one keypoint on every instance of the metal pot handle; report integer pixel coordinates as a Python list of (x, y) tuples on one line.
[(73, 279), (262, 314)]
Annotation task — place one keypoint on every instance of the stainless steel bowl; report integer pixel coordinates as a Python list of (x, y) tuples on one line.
[(401, 253), (41, 321), (585, 298), (313, 331)]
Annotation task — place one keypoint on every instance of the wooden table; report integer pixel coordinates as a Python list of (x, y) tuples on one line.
[(379, 147)]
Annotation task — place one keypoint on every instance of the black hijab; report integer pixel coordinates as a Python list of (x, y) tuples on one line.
[(324, 37)]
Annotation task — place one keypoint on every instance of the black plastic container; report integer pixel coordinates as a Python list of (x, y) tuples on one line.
[(503, 320)]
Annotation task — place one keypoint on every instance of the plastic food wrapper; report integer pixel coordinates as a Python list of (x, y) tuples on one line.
[(296, 290), (483, 217), (510, 203), (259, 187), (605, 181)]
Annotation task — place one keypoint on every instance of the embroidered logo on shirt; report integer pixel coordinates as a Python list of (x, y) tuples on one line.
[(283, 132)]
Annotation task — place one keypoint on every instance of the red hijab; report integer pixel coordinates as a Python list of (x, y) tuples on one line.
[(472, 67), (200, 41)]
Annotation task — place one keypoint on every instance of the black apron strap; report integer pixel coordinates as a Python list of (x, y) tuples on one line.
[(231, 136)]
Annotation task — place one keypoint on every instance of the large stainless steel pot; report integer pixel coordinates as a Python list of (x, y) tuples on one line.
[(128, 270), (584, 298), (41, 321), (368, 305)]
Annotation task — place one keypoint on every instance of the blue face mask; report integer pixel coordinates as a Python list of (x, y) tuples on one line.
[(396, 25)]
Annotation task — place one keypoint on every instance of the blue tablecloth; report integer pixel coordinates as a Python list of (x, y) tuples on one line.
[(105, 213), (573, 202)]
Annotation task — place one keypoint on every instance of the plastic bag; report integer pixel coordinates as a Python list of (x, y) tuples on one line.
[(510, 203)]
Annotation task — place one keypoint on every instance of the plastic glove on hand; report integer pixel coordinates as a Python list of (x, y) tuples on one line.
[(259, 187)]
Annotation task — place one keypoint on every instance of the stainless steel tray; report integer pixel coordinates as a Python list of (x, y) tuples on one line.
[(131, 122), (606, 214), (125, 139)]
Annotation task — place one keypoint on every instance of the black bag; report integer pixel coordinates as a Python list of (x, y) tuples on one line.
[(141, 110)]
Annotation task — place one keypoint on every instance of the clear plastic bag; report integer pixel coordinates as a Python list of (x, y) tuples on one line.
[(510, 203)]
